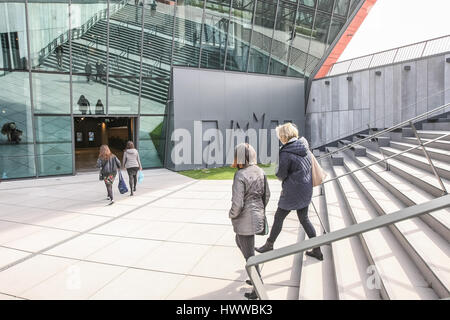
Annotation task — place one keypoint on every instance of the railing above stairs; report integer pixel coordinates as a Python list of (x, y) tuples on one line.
[(357, 229)]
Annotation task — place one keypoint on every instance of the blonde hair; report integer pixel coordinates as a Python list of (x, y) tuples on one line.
[(244, 156), (105, 152), (286, 132)]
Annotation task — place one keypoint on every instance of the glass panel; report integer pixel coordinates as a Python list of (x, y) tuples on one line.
[(16, 133), (54, 145), (51, 92), (325, 5), (262, 36), (13, 37), (215, 33), (354, 5), (239, 35), (16, 138), (341, 7), (151, 141), (284, 35), (188, 23), (123, 96), (308, 3), (336, 26), (49, 35), (89, 23), (301, 42)]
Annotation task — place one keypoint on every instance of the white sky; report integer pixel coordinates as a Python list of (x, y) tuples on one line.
[(394, 23)]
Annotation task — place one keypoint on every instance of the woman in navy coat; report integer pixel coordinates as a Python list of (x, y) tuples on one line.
[(294, 170)]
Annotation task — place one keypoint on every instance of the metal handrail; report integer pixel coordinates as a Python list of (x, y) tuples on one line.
[(387, 158), (389, 56), (353, 230), (397, 126)]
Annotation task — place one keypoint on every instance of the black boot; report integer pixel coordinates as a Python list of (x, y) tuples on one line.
[(251, 295), (266, 247), (315, 253)]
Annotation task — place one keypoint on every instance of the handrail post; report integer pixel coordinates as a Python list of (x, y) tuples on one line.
[(413, 127), (317, 214)]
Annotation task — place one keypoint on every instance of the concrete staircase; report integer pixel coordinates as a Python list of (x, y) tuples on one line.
[(408, 260)]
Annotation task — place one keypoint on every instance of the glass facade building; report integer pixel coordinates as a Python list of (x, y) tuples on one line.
[(66, 60)]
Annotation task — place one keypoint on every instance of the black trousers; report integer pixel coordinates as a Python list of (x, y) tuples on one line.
[(281, 214), (109, 189), (247, 246), (132, 177)]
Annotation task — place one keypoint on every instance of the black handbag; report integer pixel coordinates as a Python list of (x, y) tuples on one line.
[(265, 231)]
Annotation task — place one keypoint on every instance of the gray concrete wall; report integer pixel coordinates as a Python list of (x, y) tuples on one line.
[(228, 100), (344, 107)]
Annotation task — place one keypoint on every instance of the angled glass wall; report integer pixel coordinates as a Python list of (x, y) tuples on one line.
[(62, 61)]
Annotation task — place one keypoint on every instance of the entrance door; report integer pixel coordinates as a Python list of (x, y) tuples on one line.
[(92, 132)]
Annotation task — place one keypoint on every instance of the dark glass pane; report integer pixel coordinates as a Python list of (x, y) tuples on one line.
[(336, 26), (341, 7), (13, 38), (308, 3), (326, 5)]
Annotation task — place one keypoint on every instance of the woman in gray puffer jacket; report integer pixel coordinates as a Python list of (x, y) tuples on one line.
[(250, 196), (132, 163)]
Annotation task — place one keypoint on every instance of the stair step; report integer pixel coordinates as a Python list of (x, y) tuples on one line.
[(399, 277), (434, 153), (433, 134), (336, 158), (359, 150), (410, 195), (317, 277), (421, 178), (436, 126), (442, 168), (382, 140), (350, 262), (439, 144), (429, 251)]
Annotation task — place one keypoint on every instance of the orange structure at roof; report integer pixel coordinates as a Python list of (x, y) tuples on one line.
[(345, 38)]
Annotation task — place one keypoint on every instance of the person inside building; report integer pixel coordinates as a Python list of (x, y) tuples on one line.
[(109, 165), (294, 170), (132, 163), (83, 105), (250, 196), (100, 70), (88, 71), (99, 108), (59, 51)]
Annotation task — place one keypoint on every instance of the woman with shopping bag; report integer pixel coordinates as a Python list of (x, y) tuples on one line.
[(109, 165), (132, 163)]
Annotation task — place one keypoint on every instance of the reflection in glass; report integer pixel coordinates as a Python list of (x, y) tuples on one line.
[(51, 92), (239, 35), (151, 141), (89, 54), (283, 36), (262, 36), (325, 5), (54, 145), (16, 136), (341, 7)]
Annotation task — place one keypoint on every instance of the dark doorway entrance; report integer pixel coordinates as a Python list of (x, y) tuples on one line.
[(92, 132)]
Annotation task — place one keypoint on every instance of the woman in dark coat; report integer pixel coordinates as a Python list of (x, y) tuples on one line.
[(84, 105), (294, 169)]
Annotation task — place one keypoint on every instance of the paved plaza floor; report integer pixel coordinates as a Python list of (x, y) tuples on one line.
[(173, 240)]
